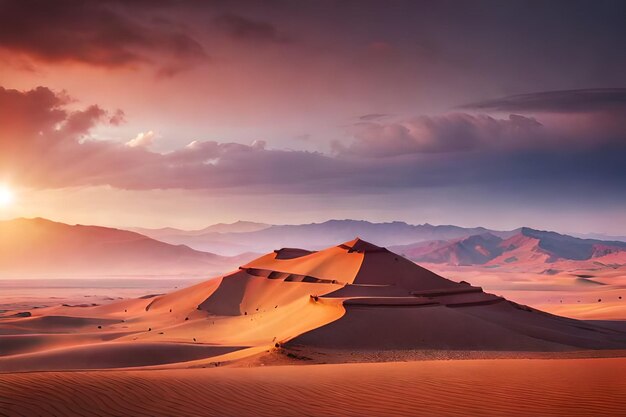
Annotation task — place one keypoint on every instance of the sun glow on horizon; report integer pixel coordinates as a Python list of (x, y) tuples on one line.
[(7, 197)]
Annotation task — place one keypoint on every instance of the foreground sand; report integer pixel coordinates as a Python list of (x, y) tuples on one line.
[(512, 387)]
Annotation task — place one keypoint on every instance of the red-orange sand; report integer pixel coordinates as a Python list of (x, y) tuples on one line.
[(504, 387), (212, 348)]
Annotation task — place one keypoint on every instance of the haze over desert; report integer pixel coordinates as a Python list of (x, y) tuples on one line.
[(312, 208)]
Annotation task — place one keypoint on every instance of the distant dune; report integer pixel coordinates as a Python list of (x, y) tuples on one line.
[(354, 298), (40, 248)]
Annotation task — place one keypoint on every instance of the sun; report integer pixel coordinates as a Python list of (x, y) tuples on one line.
[(6, 196)]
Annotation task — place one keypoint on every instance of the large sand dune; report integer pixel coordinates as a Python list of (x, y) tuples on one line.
[(352, 297)]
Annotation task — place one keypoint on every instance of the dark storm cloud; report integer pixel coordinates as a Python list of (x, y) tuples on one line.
[(565, 101), (99, 33)]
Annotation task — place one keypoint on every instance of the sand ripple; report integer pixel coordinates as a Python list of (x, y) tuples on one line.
[(572, 387)]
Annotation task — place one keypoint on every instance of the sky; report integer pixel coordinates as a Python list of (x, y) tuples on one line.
[(188, 113)]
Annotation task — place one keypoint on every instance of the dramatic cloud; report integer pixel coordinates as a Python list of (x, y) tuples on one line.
[(448, 133), (376, 79), (245, 29), (98, 33), (45, 145), (565, 101)]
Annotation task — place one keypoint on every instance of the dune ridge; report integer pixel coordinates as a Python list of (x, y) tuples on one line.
[(354, 296)]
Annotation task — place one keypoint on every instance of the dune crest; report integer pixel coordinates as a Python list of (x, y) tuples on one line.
[(353, 296)]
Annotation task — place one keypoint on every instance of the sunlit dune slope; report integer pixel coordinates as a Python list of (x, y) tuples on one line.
[(354, 296)]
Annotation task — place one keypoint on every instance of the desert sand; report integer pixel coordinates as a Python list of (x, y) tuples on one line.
[(585, 294), (580, 387), (354, 302), (355, 296)]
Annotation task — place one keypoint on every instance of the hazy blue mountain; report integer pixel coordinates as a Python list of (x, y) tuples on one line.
[(315, 235)]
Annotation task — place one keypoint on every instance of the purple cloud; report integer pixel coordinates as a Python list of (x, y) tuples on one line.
[(431, 134), (45, 145)]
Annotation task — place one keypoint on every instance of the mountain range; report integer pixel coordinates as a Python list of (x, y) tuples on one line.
[(240, 226), (40, 247), (527, 247), (444, 244), (257, 237)]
